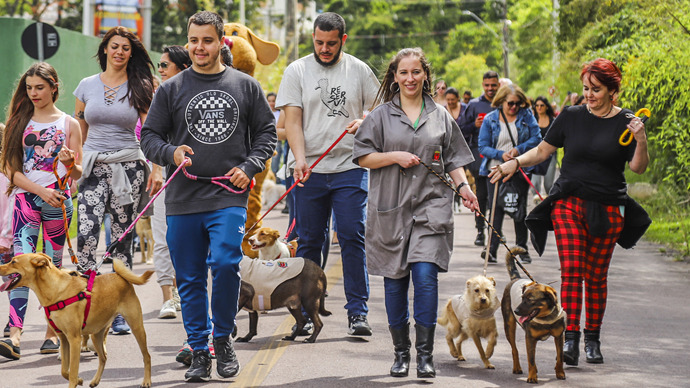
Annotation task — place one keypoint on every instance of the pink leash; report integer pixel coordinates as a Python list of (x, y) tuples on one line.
[(216, 180), (110, 249), (297, 182)]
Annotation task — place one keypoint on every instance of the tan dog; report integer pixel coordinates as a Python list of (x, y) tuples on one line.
[(536, 309), (267, 242), (145, 233), (112, 294), (471, 315), (271, 192)]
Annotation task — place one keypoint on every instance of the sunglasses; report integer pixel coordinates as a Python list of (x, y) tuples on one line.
[(163, 65), (514, 103)]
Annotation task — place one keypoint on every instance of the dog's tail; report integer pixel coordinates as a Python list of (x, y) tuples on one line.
[(322, 304), (122, 270), (510, 261), (444, 316), (292, 247)]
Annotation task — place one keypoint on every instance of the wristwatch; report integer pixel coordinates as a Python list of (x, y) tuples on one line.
[(461, 185)]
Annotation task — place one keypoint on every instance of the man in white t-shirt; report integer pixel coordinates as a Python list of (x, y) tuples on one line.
[(322, 95)]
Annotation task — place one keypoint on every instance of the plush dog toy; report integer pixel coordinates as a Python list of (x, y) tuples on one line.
[(247, 49)]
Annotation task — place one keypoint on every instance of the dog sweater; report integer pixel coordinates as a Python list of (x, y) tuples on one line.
[(266, 275)]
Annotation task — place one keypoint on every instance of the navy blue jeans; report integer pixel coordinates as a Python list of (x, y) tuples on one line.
[(425, 279), (197, 242), (344, 194)]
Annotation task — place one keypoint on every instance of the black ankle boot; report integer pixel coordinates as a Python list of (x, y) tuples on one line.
[(571, 348), (425, 348), (592, 347), (480, 241), (402, 344)]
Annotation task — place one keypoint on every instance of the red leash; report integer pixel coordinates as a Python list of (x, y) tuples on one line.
[(531, 184), (62, 186), (297, 182)]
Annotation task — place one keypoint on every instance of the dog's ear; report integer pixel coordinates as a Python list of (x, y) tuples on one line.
[(275, 234), (492, 280), (468, 284), (551, 293), (40, 260)]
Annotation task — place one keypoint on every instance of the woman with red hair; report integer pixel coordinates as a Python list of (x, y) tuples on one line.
[(588, 207)]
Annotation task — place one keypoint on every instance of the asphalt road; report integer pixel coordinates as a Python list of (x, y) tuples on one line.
[(645, 337)]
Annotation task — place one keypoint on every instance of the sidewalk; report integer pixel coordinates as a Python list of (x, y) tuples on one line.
[(645, 338)]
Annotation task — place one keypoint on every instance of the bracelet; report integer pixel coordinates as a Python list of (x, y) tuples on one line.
[(461, 185), (518, 162)]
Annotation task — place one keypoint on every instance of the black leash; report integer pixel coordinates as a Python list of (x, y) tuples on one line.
[(444, 180)]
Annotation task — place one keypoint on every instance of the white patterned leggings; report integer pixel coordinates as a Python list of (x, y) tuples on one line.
[(95, 199)]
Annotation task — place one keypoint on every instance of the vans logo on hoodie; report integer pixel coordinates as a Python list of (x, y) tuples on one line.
[(212, 116)]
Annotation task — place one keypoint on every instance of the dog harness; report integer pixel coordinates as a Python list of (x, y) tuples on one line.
[(80, 296)]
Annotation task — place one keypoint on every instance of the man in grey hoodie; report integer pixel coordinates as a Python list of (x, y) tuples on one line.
[(219, 118)]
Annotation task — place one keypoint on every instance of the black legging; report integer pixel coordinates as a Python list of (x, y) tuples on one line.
[(520, 227)]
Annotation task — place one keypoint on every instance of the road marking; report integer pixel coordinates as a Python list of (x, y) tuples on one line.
[(258, 368)]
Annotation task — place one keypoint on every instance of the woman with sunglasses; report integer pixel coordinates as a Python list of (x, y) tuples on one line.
[(543, 112), (174, 60), (507, 132)]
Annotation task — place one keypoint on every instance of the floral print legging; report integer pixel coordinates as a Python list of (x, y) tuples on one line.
[(95, 199), (29, 214)]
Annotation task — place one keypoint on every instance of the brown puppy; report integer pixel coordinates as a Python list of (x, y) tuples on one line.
[(145, 233), (112, 293), (267, 242), (536, 309), (305, 287), (471, 315)]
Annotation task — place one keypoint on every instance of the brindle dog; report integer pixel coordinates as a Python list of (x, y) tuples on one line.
[(538, 313)]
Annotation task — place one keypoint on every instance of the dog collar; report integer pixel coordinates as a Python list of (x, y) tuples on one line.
[(80, 296), (483, 314), (548, 321)]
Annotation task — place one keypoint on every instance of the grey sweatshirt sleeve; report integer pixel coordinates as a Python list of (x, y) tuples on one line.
[(262, 133), (154, 132)]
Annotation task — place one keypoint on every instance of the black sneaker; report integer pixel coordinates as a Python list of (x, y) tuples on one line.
[(50, 347), (306, 330), (200, 370), (226, 360), (480, 241), (492, 258), (358, 325), (525, 258), (7, 349)]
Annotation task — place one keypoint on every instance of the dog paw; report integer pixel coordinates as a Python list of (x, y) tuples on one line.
[(289, 338), (560, 375), (532, 380), (490, 366), (309, 340), (517, 371), (461, 358)]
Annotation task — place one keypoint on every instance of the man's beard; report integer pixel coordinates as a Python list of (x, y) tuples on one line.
[(331, 63)]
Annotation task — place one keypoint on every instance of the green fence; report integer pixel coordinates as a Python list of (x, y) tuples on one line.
[(74, 60)]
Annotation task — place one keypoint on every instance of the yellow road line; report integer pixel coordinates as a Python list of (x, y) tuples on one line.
[(256, 370)]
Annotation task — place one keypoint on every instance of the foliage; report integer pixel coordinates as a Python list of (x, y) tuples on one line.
[(670, 210)]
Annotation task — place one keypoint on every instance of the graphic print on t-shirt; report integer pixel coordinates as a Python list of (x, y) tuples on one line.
[(41, 147), (333, 98), (212, 116)]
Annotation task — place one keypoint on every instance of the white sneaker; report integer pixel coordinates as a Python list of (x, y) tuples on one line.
[(176, 298), (168, 310)]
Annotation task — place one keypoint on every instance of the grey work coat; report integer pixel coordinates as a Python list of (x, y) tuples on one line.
[(409, 213)]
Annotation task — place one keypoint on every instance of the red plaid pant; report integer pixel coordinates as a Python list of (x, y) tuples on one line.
[(583, 257)]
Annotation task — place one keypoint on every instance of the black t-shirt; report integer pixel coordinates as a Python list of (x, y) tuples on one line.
[(592, 153)]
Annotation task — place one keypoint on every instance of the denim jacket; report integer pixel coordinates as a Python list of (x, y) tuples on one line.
[(529, 136)]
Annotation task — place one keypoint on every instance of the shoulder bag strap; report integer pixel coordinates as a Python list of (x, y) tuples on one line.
[(508, 127)]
